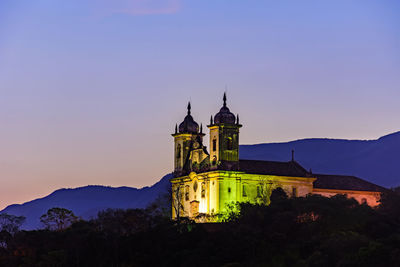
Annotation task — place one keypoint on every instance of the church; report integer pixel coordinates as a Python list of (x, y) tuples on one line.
[(206, 182)]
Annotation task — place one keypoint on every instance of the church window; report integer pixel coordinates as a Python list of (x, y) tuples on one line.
[(259, 191), (214, 162), (203, 190), (229, 143), (229, 189), (187, 193), (214, 144), (244, 190), (178, 151), (294, 191)]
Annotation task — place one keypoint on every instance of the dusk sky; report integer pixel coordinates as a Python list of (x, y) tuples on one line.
[(90, 90)]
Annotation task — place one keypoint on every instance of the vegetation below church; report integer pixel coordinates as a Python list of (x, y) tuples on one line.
[(309, 231)]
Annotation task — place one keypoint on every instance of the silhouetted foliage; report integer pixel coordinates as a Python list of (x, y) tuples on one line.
[(278, 194), (58, 219), (10, 223), (305, 231), (162, 205)]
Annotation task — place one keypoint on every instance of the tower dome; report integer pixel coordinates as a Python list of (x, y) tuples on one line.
[(188, 125), (224, 115)]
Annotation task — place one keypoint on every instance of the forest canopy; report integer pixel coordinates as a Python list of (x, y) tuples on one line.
[(304, 231)]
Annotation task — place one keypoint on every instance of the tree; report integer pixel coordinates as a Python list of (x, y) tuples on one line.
[(58, 219), (396, 190), (278, 194), (161, 206), (177, 201), (264, 190), (11, 223)]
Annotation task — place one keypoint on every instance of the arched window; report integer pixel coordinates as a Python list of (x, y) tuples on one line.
[(203, 190), (214, 144), (294, 192), (244, 190), (214, 161), (229, 143), (187, 193), (181, 193), (178, 151)]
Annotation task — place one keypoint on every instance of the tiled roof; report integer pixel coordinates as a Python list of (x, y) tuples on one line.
[(294, 169), (291, 168), (342, 182)]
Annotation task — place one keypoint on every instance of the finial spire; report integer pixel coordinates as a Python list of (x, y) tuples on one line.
[(292, 154), (225, 99), (237, 119), (176, 128), (189, 107), (211, 120), (201, 128)]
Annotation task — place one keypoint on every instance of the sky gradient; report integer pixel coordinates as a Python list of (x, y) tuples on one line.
[(90, 90)]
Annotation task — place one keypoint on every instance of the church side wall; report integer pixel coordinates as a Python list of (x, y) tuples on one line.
[(228, 192), (210, 193), (242, 187), (370, 198)]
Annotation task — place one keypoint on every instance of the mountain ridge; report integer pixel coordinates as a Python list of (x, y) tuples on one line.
[(86, 201)]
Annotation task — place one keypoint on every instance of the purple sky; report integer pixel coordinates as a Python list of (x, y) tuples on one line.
[(90, 90)]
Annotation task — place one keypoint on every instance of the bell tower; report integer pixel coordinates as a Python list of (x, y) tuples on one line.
[(188, 139), (224, 139)]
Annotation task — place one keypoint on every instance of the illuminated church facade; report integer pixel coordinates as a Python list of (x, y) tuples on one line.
[(206, 182)]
